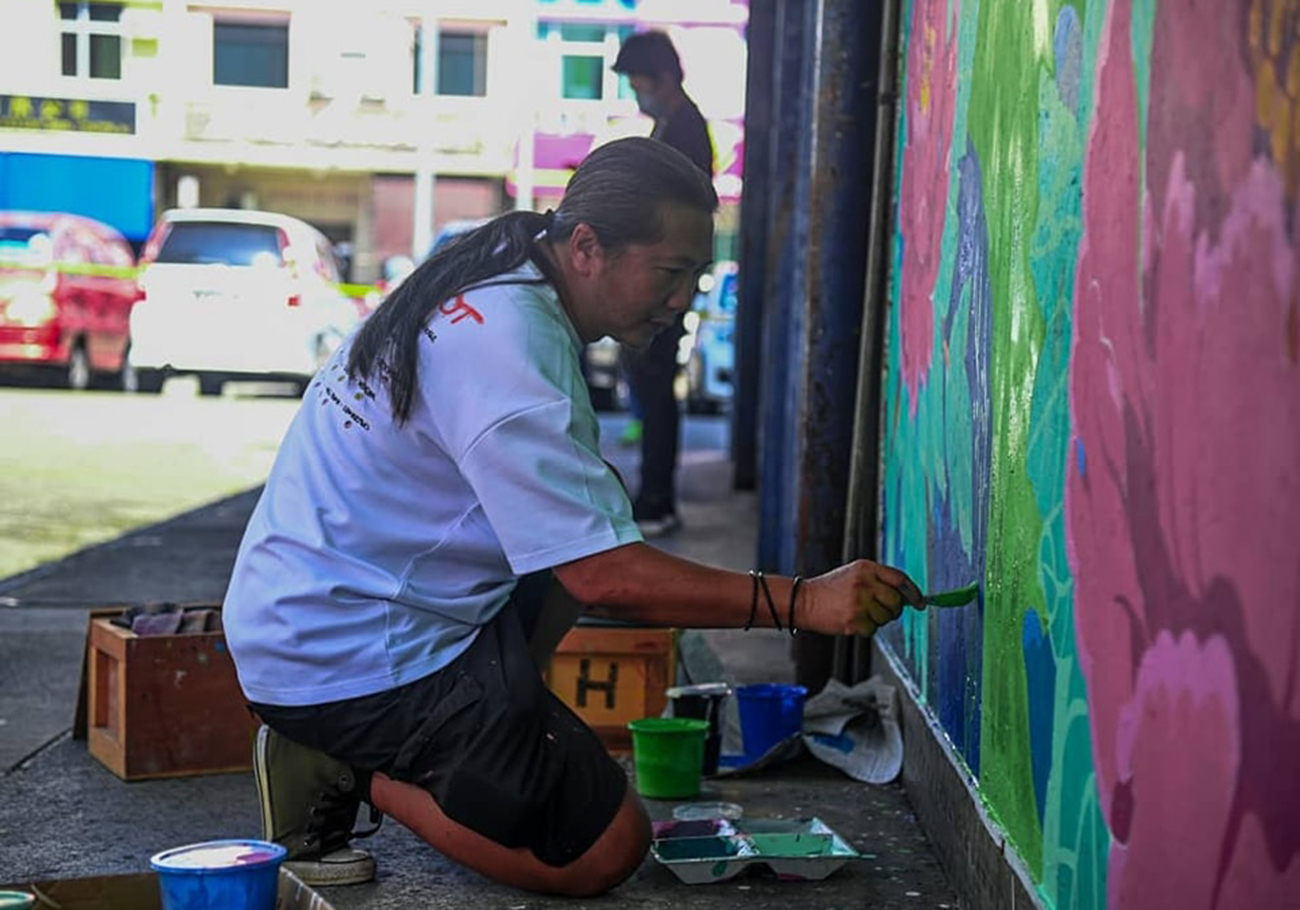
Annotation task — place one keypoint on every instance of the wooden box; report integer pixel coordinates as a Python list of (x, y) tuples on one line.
[(163, 705), (611, 675)]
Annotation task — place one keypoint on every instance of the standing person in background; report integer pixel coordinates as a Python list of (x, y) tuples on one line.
[(652, 66)]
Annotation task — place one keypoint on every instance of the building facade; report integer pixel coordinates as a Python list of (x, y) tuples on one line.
[(342, 114)]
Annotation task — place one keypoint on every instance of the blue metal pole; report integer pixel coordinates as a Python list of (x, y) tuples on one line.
[(760, 80), (840, 194), (785, 282)]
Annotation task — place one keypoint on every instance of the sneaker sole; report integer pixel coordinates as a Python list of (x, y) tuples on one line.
[(262, 780), (314, 873), (658, 527)]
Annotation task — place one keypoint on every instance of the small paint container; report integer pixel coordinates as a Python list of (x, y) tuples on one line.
[(668, 753), (704, 702), (770, 713), (706, 811), (219, 875), (16, 900)]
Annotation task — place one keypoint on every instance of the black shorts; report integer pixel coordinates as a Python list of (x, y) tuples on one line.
[(499, 752)]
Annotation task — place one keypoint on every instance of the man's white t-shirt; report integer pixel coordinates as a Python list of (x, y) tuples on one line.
[(377, 550)]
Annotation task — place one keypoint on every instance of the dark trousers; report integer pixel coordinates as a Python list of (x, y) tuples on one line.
[(650, 373)]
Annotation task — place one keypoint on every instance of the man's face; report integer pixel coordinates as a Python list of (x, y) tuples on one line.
[(649, 94), (643, 287)]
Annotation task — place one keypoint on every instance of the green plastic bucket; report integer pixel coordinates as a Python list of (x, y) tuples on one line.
[(668, 752)]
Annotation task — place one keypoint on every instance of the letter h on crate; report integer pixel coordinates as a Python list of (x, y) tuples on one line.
[(612, 675)]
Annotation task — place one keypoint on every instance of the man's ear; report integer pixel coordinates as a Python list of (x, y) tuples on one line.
[(585, 249)]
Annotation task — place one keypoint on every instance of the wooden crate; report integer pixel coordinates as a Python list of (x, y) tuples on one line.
[(163, 705), (611, 675)]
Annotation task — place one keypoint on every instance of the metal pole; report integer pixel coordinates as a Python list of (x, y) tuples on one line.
[(839, 197), (760, 103), (862, 518), (786, 285)]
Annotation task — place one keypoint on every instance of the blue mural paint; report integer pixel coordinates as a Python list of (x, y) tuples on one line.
[(972, 294), (1079, 458), (1040, 666), (1067, 49), (953, 674)]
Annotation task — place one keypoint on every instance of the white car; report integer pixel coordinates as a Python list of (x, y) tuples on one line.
[(710, 343), (236, 294)]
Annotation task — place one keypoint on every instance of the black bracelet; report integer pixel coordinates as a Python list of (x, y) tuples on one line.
[(794, 592), (753, 599), (771, 604)]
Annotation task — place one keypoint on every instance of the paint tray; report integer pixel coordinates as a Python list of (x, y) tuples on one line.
[(704, 851)]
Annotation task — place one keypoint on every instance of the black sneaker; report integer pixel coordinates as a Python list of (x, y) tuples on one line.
[(309, 802)]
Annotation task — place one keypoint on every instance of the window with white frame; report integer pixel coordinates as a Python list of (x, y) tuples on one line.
[(91, 39), (462, 62), (250, 54), (587, 50)]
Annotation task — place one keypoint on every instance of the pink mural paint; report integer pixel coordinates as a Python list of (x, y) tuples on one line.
[(923, 195), (1184, 700), (1181, 499)]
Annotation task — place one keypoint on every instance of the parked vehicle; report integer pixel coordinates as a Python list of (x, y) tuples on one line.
[(604, 373), (236, 294), (67, 285), (710, 344)]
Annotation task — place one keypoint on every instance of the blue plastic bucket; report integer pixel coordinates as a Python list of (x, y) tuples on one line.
[(219, 875), (769, 713)]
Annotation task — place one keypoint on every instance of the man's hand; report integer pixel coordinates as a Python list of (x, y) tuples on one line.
[(855, 599)]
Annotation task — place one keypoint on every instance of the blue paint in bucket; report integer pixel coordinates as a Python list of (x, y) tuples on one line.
[(769, 713), (219, 875)]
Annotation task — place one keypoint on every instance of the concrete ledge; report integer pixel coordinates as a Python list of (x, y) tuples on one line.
[(982, 865)]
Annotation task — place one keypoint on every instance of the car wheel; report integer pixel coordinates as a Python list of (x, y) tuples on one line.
[(209, 385), (78, 376), (147, 382)]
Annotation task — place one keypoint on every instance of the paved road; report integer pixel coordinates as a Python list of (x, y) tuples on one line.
[(99, 476), (81, 468)]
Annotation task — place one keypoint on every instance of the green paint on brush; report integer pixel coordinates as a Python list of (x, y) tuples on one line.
[(957, 597)]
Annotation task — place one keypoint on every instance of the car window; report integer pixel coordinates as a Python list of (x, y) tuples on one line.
[(204, 242), (24, 246)]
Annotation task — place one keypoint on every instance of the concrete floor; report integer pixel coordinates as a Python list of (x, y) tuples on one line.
[(62, 814)]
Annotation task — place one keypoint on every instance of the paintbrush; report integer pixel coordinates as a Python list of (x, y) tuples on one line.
[(957, 597)]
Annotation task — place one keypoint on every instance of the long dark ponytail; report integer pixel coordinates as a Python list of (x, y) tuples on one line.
[(617, 190)]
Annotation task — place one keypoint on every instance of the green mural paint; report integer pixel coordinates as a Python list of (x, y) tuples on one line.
[(1003, 123), (1029, 141)]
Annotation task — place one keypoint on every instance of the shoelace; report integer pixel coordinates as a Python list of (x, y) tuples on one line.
[(332, 814)]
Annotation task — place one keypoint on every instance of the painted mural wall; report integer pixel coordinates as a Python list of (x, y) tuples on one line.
[(1093, 409)]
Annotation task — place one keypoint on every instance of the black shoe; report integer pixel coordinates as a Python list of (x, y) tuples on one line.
[(309, 802)]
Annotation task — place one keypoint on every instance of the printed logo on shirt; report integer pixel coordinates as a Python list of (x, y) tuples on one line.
[(339, 374), (458, 310)]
